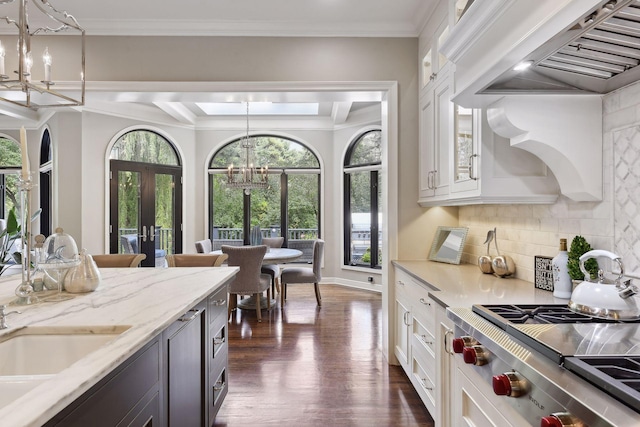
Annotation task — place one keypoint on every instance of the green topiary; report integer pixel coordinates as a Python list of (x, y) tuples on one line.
[(579, 246)]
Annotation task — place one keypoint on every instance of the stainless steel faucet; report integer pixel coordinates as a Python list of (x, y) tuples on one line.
[(3, 316)]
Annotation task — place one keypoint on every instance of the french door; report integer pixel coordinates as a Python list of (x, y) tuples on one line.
[(145, 210)]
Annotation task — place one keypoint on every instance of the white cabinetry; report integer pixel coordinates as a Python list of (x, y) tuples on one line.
[(444, 359), (415, 343), (436, 136)]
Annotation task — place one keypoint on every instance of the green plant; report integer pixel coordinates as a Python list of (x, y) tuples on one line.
[(7, 237), (579, 246)]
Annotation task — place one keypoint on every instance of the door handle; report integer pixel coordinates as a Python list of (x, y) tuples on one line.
[(144, 233), (471, 170), (152, 233)]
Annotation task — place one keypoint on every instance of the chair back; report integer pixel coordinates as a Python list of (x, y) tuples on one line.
[(318, 255), (195, 260), (273, 242), (204, 246), (118, 260), (129, 243), (249, 259)]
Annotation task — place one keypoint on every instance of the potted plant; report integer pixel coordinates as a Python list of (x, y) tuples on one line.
[(580, 246), (7, 238)]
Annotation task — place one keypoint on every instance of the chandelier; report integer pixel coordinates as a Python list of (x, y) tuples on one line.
[(247, 176), (29, 84)]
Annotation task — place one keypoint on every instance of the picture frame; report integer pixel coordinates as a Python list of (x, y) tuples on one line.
[(448, 244)]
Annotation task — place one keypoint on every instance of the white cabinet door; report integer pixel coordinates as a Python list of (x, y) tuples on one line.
[(444, 358), (403, 331), (436, 135)]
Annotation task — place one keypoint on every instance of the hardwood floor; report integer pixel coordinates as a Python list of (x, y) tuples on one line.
[(310, 366)]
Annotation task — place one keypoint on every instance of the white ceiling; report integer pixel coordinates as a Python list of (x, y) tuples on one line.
[(300, 18)]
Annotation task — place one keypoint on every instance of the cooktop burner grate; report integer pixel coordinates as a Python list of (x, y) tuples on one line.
[(503, 314), (617, 375)]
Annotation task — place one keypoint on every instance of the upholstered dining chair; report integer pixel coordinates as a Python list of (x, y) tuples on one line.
[(204, 246), (118, 260), (273, 270), (249, 280), (195, 260), (311, 274)]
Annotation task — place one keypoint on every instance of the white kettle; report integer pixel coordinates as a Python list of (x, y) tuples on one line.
[(604, 298)]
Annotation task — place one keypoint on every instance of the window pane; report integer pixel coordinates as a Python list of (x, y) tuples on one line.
[(360, 207), (226, 210), (367, 149), (265, 208), (10, 155), (129, 209), (304, 213), (145, 147), (271, 151), (165, 215)]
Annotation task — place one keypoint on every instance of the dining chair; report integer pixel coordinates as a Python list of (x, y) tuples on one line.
[(311, 274), (118, 260), (273, 270), (195, 260), (204, 246), (249, 280)]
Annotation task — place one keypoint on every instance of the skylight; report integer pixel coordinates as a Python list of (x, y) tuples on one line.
[(259, 108)]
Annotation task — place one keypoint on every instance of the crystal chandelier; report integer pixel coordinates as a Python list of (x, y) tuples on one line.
[(22, 89), (247, 176)]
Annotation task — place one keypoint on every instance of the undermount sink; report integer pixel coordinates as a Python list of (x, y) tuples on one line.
[(31, 355), (42, 350)]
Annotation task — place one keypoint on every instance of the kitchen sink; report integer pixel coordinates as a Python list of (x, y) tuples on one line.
[(42, 350)]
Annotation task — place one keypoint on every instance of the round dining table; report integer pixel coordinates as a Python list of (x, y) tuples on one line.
[(272, 256)]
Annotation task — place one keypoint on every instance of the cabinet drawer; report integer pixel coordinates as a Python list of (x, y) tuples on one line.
[(218, 391), (424, 382), (219, 350), (217, 304), (423, 337)]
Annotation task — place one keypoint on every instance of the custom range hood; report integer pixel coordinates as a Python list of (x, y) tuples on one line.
[(572, 47)]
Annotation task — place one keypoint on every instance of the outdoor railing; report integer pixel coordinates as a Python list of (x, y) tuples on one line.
[(163, 238)]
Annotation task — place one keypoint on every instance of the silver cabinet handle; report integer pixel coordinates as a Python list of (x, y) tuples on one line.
[(144, 233), (424, 384), (471, 170), (425, 340), (220, 385), (219, 302), (405, 318), (425, 302), (195, 314), (152, 233), (400, 282), (218, 341), (446, 344)]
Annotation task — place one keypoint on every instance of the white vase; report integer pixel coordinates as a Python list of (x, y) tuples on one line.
[(562, 284)]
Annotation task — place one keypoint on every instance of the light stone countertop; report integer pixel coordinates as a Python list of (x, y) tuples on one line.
[(464, 285), (146, 299)]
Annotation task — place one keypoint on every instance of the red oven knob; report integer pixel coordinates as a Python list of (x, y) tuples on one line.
[(459, 344), (560, 419), (509, 384), (475, 355)]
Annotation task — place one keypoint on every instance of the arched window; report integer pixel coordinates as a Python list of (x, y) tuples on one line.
[(46, 167), (145, 197), (289, 207), (10, 164), (362, 213)]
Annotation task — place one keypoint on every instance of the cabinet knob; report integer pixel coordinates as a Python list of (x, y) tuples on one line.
[(475, 355), (508, 384)]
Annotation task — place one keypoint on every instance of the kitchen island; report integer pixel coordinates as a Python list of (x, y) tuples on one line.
[(140, 304)]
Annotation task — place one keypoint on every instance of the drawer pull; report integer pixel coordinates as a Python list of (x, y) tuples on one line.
[(424, 384), (400, 282), (219, 302), (405, 318), (425, 302), (195, 314), (447, 347), (424, 340), (218, 341), (219, 386)]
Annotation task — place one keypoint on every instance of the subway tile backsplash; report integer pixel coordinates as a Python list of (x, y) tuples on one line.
[(524, 231)]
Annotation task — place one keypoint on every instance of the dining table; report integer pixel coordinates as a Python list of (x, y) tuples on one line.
[(272, 256)]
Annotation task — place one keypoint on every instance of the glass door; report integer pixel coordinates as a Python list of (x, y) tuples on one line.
[(146, 214)]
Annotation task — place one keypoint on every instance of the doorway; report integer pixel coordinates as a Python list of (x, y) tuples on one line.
[(145, 199)]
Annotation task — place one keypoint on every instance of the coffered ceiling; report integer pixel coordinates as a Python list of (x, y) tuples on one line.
[(281, 18)]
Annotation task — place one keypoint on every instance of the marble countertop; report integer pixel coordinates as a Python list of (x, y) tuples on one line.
[(464, 285), (145, 299)]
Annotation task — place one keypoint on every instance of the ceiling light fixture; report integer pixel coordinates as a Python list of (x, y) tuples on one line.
[(523, 65), (247, 176), (23, 90)]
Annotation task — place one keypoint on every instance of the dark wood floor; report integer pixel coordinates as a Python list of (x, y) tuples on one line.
[(309, 366)]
